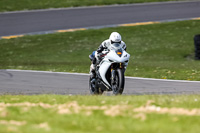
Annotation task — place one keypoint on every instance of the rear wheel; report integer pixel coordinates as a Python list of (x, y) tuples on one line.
[(118, 82), (93, 87)]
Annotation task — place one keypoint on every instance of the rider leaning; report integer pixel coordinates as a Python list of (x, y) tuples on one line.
[(115, 37)]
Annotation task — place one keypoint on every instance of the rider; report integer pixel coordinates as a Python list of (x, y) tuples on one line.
[(115, 37)]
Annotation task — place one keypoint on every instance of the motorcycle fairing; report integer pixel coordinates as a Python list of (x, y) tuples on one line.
[(110, 58), (103, 69), (116, 58)]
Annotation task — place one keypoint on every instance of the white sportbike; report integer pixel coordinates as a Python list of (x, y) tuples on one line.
[(109, 72)]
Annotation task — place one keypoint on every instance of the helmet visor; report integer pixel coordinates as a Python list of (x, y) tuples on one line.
[(116, 45), (115, 42)]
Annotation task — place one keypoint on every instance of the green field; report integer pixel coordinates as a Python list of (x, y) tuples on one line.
[(164, 50), (89, 114), (15, 5)]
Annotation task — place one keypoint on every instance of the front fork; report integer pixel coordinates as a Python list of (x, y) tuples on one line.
[(112, 78), (113, 73)]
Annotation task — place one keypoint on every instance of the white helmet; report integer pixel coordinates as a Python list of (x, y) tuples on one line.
[(115, 37)]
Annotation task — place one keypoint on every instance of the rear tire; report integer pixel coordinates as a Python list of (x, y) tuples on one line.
[(93, 87), (119, 82)]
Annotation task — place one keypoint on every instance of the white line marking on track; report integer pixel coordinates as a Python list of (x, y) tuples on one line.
[(50, 72), (165, 80), (85, 74)]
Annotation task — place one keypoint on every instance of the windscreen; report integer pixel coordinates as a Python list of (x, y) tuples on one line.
[(116, 46)]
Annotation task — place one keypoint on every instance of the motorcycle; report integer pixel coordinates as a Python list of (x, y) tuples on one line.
[(109, 72)]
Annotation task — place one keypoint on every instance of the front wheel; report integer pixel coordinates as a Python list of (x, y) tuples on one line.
[(118, 82)]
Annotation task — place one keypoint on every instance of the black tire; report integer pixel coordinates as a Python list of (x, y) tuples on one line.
[(94, 89), (119, 79)]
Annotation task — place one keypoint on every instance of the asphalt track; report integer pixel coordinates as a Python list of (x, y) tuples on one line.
[(13, 23), (38, 82), (29, 82)]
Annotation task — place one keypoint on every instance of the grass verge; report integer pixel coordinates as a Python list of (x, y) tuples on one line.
[(163, 50), (16, 5), (57, 113)]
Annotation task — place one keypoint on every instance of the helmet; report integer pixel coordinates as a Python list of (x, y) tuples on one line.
[(115, 37)]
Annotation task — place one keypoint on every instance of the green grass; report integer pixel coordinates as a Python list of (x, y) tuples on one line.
[(114, 114), (15, 5), (163, 50)]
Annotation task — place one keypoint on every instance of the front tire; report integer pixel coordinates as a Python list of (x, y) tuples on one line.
[(118, 83)]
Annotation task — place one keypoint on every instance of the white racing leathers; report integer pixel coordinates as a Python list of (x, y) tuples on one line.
[(110, 71)]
